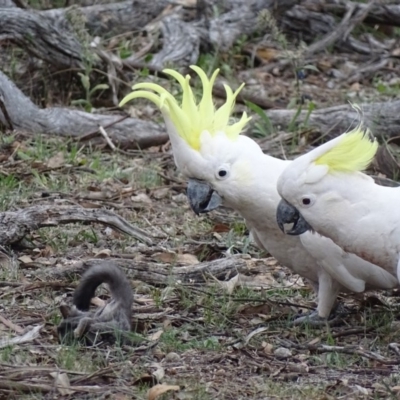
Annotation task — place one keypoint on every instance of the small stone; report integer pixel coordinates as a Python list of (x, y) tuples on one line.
[(158, 353), (282, 352), (172, 357)]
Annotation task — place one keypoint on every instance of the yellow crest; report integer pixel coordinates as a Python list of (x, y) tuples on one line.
[(353, 152), (191, 118)]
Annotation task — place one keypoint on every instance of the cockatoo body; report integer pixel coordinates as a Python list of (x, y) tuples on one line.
[(326, 191), (224, 166)]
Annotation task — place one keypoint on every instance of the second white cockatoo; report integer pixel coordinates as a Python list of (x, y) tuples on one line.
[(325, 190), (223, 166)]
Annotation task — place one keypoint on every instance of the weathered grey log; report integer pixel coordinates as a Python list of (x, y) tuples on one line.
[(382, 118), (380, 13), (354, 16), (127, 134), (241, 18), (15, 225), (160, 274), (46, 38), (313, 24), (40, 36), (181, 43), (49, 35), (6, 3), (114, 18)]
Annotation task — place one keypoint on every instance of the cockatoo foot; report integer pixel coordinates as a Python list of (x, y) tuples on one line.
[(313, 319)]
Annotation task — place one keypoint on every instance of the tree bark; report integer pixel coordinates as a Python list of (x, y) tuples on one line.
[(15, 225), (50, 35), (6, 4), (311, 24), (382, 118), (160, 274), (23, 114), (380, 13), (41, 36)]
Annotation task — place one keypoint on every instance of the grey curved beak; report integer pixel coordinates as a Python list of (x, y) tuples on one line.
[(289, 220), (202, 197)]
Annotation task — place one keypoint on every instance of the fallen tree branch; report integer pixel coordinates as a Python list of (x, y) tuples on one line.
[(40, 36), (241, 18), (161, 274), (49, 35), (368, 70), (6, 4), (382, 118), (15, 225), (311, 23), (380, 13), (244, 96), (181, 44), (343, 29), (352, 350), (22, 387), (129, 133)]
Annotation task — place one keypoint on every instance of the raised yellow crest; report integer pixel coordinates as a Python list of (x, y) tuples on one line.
[(353, 152), (191, 118)]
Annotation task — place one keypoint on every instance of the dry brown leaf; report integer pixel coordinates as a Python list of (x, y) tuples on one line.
[(156, 335), (268, 348), (47, 251), (171, 257), (221, 228), (160, 193), (141, 198), (5, 262), (145, 379), (264, 309), (324, 64), (187, 3), (187, 259), (56, 161), (158, 390), (120, 396), (27, 337), (396, 52), (62, 383), (159, 373), (167, 257), (11, 325), (25, 259), (104, 253), (314, 341), (230, 285), (355, 87)]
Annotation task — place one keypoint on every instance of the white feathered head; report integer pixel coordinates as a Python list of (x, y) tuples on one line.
[(206, 142)]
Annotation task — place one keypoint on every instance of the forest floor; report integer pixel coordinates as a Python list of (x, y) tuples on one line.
[(215, 340)]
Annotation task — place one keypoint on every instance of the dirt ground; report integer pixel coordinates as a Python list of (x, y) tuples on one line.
[(226, 340)]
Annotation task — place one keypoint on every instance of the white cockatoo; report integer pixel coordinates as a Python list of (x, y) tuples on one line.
[(223, 166), (325, 190)]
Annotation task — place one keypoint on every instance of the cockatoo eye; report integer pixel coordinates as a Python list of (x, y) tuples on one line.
[(307, 201), (222, 172)]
